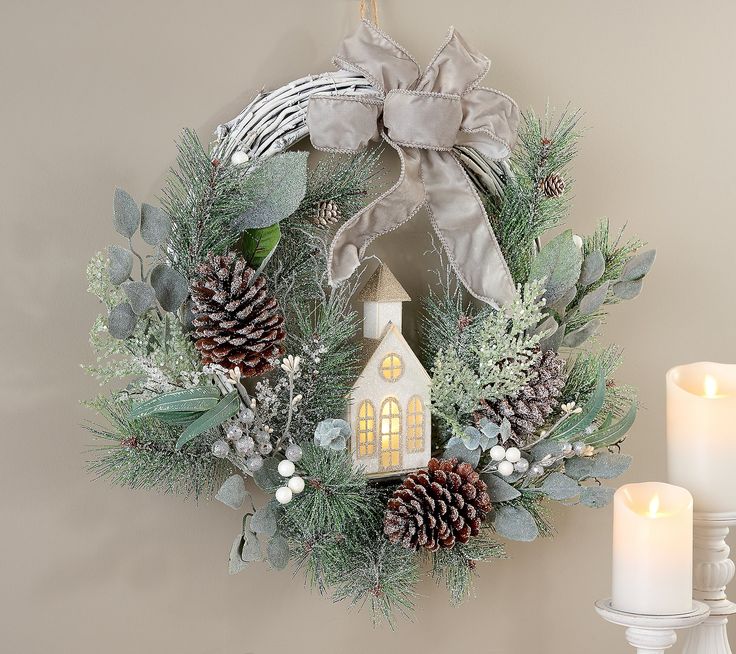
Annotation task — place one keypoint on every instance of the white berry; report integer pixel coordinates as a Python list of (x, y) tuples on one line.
[(513, 454), (578, 241), (505, 468), (296, 484), (286, 468), (498, 453), (284, 495), (239, 157)]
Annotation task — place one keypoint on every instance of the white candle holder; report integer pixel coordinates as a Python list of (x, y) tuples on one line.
[(652, 634), (712, 572)]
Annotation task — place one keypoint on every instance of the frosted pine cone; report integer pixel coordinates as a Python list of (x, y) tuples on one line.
[(554, 185), (236, 322), (437, 507), (326, 213), (530, 407)]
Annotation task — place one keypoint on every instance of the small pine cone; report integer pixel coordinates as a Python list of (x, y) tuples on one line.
[(326, 213), (236, 322), (437, 507), (533, 403), (554, 185)]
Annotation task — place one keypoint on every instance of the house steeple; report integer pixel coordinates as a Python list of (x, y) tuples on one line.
[(382, 297)]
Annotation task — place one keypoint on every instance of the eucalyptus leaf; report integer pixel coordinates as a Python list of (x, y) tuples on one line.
[(120, 264), (578, 422), (554, 341), (560, 487), (639, 265), (125, 214), (559, 263), (278, 552), (577, 337), (546, 448), (594, 300), (155, 225), (232, 493), (226, 408), (258, 244), (515, 523), (236, 563), (457, 450), (594, 265), (548, 327), (608, 465), (170, 286), (268, 478), (612, 433), (565, 300), (498, 489), (628, 290), (596, 496), (179, 417), (122, 321), (252, 545), (140, 295), (264, 521), (277, 187), (198, 398)]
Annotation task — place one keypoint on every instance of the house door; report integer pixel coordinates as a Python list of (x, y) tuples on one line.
[(390, 434)]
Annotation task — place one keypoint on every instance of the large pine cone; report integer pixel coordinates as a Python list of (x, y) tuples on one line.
[(530, 407), (554, 185), (236, 322), (437, 507)]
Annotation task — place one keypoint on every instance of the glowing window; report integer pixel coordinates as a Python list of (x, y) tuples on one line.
[(392, 367), (390, 434), (366, 429), (415, 424)]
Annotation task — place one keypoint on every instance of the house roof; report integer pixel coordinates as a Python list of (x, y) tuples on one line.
[(382, 286), (371, 346)]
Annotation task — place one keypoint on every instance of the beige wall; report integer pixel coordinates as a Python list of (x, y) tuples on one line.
[(94, 94)]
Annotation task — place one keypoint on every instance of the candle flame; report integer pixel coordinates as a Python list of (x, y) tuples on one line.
[(711, 386), (654, 506)]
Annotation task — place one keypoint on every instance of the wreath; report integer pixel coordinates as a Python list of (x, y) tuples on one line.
[(247, 355)]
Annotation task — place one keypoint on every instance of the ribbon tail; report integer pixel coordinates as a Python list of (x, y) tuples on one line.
[(461, 222), (384, 214)]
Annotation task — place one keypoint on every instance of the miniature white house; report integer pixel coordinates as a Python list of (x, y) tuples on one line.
[(389, 411)]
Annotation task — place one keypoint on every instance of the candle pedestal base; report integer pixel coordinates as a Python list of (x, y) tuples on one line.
[(712, 572), (652, 634)]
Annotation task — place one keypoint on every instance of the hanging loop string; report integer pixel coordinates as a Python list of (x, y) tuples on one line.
[(365, 10)]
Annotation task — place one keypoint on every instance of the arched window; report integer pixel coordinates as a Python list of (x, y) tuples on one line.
[(390, 434), (392, 367), (415, 424), (366, 429)]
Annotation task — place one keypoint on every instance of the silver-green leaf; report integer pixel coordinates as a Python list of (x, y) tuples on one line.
[(140, 295), (196, 399), (596, 496), (515, 523), (155, 225), (226, 408), (559, 263), (606, 465), (594, 265), (232, 493), (122, 321), (594, 300), (125, 214), (252, 545), (171, 287), (498, 489), (639, 265), (120, 264), (458, 451), (579, 336), (236, 563), (278, 552), (560, 487), (627, 290), (264, 521), (277, 187)]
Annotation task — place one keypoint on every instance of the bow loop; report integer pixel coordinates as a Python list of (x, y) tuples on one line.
[(455, 68)]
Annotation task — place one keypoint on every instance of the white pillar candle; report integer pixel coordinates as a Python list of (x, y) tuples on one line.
[(701, 433), (652, 549)]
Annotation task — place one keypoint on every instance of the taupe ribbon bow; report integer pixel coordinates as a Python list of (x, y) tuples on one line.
[(423, 117)]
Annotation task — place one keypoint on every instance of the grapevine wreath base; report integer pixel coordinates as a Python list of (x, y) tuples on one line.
[(247, 354)]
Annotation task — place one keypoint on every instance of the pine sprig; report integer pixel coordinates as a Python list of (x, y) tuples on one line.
[(141, 454), (203, 196), (523, 213)]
